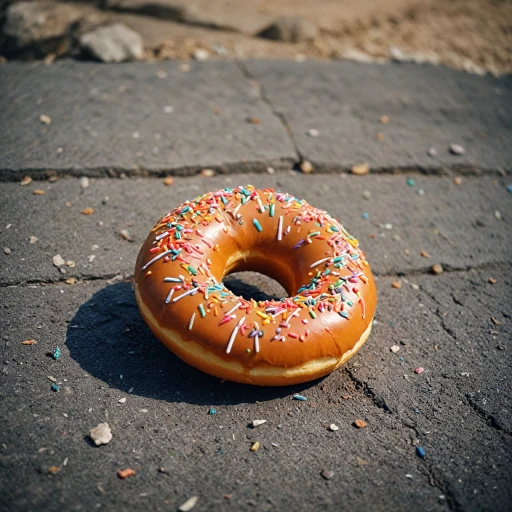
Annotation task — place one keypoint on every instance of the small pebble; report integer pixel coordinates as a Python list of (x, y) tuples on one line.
[(200, 54), (421, 192), (101, 434), (257, 423), (211, 412), (425, 254), (168, 109), (396, 284), (313, 132), (125, 473), (492, 280), (38, 192), (384, 119), (395, 349), (419, 370), (168, 181), (457, 180), (367, 194), (43, 118), (122, 400), (125, 235), (87, 211), (271, 170), (432, 152), (55, 387), (410, 182), (26, 181), (188, 505), (58, 260), (253, 120), (437, 268), (360, 423), (498, 215), (306, 167), (84, 181), (361, 169), (33, 239), (53, 470), (29, 342), (255, 447), (457, 149), (365, 215), (333, 427), (7, 250), (420, 452), (300, 398), (208, 173), (327, 474)]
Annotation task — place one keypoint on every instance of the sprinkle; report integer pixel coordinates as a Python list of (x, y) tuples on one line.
[(226, 319), (201, 311), (257, 225), (299, 397), (56, 353), (312, 314), (420, 452), (188, 292), (156, 258), (365, 215), (212, 411), (233, 335), (163, 235), (293, 335), (191, 323), (360, 423), (172, 280), (319, 262), (272, 209), (262, 315), (55, 387), (419, 370), (255, 447), (280, 229), (168, 299), (234, 308)]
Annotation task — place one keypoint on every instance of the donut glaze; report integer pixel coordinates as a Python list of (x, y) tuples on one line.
[(323, 322)]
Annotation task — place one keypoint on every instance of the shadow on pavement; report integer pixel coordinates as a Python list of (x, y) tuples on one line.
[(110, 340)]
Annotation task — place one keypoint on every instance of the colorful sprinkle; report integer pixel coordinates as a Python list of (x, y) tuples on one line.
[(257, 225)]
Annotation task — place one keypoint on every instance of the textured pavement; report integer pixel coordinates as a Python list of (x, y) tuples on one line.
[(455, 325)]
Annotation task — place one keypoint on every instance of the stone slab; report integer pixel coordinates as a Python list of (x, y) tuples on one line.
[(113, 118), (108, 353), (427, 107), (456, 225)]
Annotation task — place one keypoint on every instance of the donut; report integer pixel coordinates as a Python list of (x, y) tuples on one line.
[(321, 324)]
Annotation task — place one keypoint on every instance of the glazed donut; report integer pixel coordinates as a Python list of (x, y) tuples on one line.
[(324, 321)]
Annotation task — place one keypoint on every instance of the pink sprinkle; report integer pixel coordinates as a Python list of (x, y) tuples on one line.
[(419, 370)]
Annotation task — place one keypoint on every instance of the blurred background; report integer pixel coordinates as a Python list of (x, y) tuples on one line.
[(473, 35)]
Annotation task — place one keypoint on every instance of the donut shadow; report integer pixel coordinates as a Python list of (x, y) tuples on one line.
[(110, 340)]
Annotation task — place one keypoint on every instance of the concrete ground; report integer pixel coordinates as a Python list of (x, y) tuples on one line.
[(238, 120)]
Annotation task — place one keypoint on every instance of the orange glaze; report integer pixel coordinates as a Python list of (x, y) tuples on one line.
[(229, 240)]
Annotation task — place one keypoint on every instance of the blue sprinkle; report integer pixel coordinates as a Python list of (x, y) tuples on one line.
[(410, 182), (343, 314), (365, 215), (211, 412), (300, 398), (420, 452), (509, 189), (56, 353), (121, 377), (55, 387), (257, 225)]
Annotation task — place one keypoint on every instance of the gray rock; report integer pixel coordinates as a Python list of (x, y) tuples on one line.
[(290, 29), (114, 43), (40, 25)]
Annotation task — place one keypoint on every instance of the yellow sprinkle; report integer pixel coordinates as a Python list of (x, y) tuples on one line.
[(261, 315), (255, 447), (148, 273), (365, 263), (266, 321)]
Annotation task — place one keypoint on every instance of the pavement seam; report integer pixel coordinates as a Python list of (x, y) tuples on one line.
[(276, 113), (489, 419), (367, 390)]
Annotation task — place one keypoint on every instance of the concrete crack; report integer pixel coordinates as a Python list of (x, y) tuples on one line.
[(279, 115), (368, 391), (489, 419)]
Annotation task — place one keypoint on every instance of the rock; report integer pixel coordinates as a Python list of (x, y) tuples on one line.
[(327, 474), (257, 423), (113, 43), (333, 427), (290, 29), (201, 54), (457, 149), (58, 260), (101, 434), (38, 27), (188, 505)]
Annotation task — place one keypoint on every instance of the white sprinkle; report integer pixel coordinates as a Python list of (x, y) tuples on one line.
[(262, 209), (287, 230), (172, 280), (191, 323), (156, 258), (318, 262), (280, 229), (169, 296), (163, 235), (233, 309), (257, 338), (233, 335), (295, 313), (188, 292)]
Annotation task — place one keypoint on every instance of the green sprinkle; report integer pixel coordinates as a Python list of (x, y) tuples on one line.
[(212, 411), (312, 314), (315, 233), (337, 259), (202, 311), (192, 270), (56, 353), (257, 225), (350, 303), (177, 235), (272, 208), (55, 387), (338, 283)]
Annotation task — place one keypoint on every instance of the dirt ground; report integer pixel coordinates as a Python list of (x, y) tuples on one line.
[(475, 35)]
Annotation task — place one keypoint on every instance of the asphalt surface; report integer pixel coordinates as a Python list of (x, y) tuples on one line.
[(456, 326)]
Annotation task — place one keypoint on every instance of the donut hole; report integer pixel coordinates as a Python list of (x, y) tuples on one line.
[(253, 285)]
